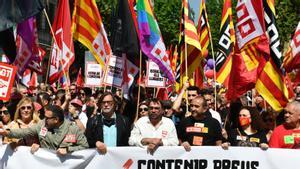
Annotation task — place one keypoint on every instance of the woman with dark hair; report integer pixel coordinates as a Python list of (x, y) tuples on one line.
[(250, 131)]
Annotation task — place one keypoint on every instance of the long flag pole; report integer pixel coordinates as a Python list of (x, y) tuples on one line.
[(213, 55), (139, 89), (186, 74)]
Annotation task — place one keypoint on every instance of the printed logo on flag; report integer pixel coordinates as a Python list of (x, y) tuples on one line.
[(7, 77)]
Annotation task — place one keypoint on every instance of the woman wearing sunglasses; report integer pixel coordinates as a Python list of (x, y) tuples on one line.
[(143, 109), (25, 117)]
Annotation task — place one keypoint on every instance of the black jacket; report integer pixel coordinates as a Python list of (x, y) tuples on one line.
[(94, 130)]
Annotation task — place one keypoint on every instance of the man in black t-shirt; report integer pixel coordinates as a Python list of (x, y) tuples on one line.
[(199, 129)]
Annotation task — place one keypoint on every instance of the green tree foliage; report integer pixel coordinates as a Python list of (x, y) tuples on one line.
[(168, 13), (288, 16)]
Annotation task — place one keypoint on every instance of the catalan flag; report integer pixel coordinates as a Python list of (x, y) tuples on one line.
[(151, 41), (190, 37), (271, 83), (87, 28), (225, 45), (292, 58), (203, 29)]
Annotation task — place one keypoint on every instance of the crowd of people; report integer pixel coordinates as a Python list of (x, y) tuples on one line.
[(78, 118)]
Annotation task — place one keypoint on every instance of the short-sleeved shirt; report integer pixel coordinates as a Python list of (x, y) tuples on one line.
[(238, 137), (200, 132), (283, 137)]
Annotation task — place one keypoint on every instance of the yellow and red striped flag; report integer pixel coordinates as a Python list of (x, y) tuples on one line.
[(87, 28), (225, 45), (203, 29), (190, 36), (271, 83)]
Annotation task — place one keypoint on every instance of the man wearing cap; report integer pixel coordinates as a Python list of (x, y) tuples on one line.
[(54, 132), (75, 114), (107, 128)]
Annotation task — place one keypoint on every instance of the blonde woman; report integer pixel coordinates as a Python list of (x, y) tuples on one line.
[(25, 117)]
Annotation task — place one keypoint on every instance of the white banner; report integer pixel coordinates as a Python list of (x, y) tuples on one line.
[(154, 76), (93, 74), (164, 158), (114, 71)]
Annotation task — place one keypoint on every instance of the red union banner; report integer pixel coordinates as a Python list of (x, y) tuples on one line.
[(7, 77)]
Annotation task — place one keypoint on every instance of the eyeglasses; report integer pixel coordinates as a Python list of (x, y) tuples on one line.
[(5, 112), (143, 109), (26, 107), (82, 94)]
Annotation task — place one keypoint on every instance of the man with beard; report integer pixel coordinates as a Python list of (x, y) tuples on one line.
[(154, 130), (54, 132), (107, 128), (287, 135), (199, 129)]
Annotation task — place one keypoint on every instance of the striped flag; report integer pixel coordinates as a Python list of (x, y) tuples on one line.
[(190, 36), (271, 82), (88, 29), (292, 58), (151, 41), (203, 29), (225, 45), (62, 55)]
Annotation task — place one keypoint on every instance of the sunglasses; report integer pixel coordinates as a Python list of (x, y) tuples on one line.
[(26, 107), (143, 109), (5, 112)]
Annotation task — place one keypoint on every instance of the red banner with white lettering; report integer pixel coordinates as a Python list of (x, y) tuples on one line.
[(7, 78)]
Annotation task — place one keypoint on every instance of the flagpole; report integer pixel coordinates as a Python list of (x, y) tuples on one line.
[(48, 21), (139, 88), (48, 67), (213, 55), (186, 74)]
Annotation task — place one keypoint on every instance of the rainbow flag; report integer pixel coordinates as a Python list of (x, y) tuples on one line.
[(151, 41)]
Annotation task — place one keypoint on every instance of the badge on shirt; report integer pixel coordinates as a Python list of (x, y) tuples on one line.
[(70, 138), (199, 125), (289, 139), (43, 131), (164, 134), (241, 138), (253, 139), (296, 135), (204, 130), (197, 141)]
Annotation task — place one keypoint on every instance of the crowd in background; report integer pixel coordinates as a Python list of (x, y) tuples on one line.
[(192, 117)]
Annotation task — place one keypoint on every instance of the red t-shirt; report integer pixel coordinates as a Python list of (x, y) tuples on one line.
[(285, 138)]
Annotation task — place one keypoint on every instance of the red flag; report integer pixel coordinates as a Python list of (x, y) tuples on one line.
[(162, 94), (63, 49), (80, 80), (292, 58), (252, 48), (33, 83)]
